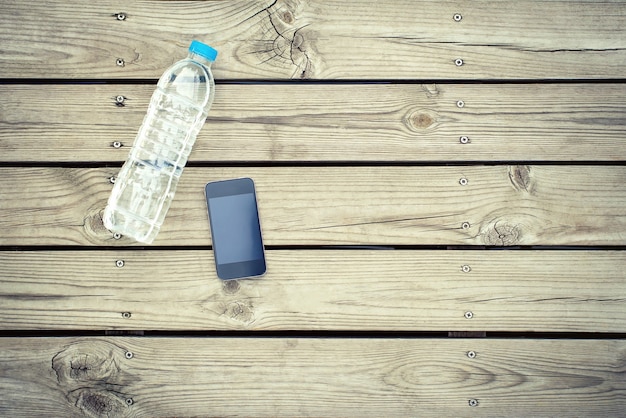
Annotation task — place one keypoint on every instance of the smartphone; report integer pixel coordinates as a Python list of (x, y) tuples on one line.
[(235, 229)]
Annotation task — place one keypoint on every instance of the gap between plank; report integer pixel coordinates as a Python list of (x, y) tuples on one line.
[(315, 334)]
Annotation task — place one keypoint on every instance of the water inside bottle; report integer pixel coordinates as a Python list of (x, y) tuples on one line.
[(155, 164), (148, 179)]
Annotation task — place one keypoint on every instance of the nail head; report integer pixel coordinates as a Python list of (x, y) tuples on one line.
[(471, 354), (121, 16), (120, 62), (117, 144), (126, 315), (460, 103), (129, 354), (120, 99), (466, 268), (464, 140), (469, 315), (129, 401), (119, 263), (473, 402), (465, 225), (458, 62), (463, 181), (117, 235), (458, 17)]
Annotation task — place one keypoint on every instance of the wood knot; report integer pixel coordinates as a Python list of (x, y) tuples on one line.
[(279, 43), (231, 287), (297, 41), (287, 17), (240, 311), (87, 362), (94, 403), (94, 228), (420, 120), (520, 177), (431, 90), (503, 234), (90, 374)]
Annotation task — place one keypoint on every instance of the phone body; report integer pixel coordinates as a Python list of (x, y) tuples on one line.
[(235, 229)]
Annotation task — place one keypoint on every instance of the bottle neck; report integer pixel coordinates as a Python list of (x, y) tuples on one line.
[(199, 58)]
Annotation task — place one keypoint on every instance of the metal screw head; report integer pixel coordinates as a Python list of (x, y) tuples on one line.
[(117, 144), (469, 315), (120, 62), (126, 315), (129, 355), (466, 268), (117, 235), (121, 16), (471, 354), (119, 263), (458, 62), (463, 181), (120, 99), (464, 140), (460, 103), (472, 402), (129, 401), (457, 17), (465, 225), (112, 179)]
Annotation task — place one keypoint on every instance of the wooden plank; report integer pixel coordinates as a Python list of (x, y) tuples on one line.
[(336, 122), (516, 291), (357, 39), (311, 377), (493, 205)]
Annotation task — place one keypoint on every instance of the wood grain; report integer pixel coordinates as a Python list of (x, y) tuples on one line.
[(336, 122), (542, 291), (499, 205), (311, 377), (338, 39)]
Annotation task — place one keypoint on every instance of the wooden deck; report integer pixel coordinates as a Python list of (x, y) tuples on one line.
[(441, 187)]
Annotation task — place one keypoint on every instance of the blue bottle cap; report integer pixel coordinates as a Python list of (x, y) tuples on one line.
[(204, 50)]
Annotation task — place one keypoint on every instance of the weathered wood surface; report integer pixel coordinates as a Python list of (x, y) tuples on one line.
[(55, 148), (336, 122), (464, 205), (542, 291), (311, 377), (338, 39)]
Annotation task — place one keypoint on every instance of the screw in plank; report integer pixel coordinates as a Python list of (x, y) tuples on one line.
[(472, 402), (465, 225), (119, 263), (469, 315), (117, 144), (464, 140), (129, 401), (112, 179), (457, 17), (471, 354), (126, 315), (458, 62), (463, 181), (460, 104), (117, 235), (129, 355), (120, 62), (120, 16), (466, 268), (119, 100)]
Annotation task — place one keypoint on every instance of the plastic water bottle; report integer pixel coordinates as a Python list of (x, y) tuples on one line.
[(145, 186)]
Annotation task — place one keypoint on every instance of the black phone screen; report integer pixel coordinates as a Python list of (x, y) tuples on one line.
[(235, 229)]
